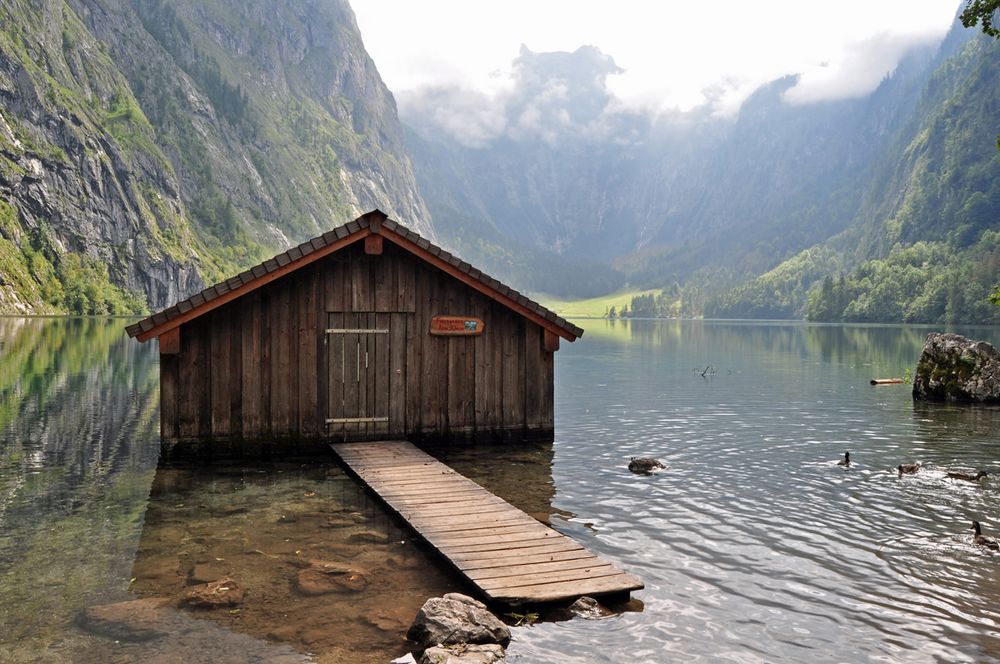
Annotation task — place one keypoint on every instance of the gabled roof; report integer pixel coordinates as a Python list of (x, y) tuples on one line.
[(372, 223)]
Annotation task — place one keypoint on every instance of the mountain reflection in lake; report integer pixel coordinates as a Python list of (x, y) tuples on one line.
[(754, 546)]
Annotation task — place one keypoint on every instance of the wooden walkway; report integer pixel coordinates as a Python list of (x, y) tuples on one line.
[(508, 555)]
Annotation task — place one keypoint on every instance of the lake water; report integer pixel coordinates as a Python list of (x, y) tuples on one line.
[(754, 545)]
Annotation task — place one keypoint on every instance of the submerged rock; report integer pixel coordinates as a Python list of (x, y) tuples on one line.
[(339, 521), (165, 569), (588, 607), (134, 620), (368, 537), (954, 368), (224, 592), (464, 653), (456, 619), (284, 633), (202, 573), (390, 620), (644, 465), (325, 576)]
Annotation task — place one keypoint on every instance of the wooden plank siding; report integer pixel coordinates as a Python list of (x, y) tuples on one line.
[(262, 367)]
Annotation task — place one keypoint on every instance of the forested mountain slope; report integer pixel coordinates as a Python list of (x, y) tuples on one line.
[(738, 216), (925, 243), (148, 147)]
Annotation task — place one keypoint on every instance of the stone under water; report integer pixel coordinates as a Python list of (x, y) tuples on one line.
[(221, 593)]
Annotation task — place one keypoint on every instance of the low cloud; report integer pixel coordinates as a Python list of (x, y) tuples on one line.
[(858, 70), (472, 118), (551, 97)]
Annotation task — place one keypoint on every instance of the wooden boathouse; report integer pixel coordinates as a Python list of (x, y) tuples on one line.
[(367, 332), (372, 333)]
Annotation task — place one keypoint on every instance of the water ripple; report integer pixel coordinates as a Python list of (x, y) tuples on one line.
[(754, 545)]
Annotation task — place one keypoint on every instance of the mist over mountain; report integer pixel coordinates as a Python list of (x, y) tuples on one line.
[(554, 170), (555, 97)]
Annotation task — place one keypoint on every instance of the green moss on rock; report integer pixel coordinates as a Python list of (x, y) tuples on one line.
[(953, 368)]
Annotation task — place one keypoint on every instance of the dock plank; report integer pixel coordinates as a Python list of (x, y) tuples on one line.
[(509, 556), (444, 502), (498, 548), (451, 509), (443, 525), (586, 574), (553, 592), (513, 571), (475, 562)]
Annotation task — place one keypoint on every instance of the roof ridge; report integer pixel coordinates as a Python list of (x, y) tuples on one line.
[(373, 222)]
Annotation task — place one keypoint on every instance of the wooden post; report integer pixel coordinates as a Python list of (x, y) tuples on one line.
[(373, 245), (170, 342), (551, 341), (375, 219)]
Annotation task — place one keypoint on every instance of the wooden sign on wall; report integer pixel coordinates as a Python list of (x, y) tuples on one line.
[(456, 325)]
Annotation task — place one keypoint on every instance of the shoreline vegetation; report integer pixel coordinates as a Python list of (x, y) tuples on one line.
[(968, 301)]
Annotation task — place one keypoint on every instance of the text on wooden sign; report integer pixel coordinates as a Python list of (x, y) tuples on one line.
[(456, 325)]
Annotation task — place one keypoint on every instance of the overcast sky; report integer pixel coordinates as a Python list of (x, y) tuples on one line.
[(674, 54)]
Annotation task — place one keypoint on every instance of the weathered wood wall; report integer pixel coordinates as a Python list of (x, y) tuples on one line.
[(259, 368)]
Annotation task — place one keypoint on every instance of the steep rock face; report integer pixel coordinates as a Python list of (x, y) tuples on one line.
[(82, 204), (953, 368), (274, 106), (153, 146), (663, 196)]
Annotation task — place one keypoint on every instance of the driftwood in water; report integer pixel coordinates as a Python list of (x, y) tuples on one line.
[(886, 381)]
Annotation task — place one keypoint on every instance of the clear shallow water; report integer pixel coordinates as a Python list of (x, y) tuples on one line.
[(754, 546)]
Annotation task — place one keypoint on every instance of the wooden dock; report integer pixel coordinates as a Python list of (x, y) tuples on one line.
[(509, 556)]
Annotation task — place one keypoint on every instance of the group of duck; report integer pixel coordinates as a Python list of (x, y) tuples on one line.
[(913, 468)]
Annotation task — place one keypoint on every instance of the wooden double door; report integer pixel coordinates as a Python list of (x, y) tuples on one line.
[(359, 372)]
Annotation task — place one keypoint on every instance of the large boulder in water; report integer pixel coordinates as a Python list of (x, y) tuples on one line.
[(455, 619), (953, 368)]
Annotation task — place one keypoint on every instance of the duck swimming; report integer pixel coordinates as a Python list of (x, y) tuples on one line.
[(644, 465), (968, 477), (846, 461), (982, 540), (907, 468)]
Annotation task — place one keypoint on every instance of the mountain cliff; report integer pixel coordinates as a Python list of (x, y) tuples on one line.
[(666, 198), (734, 216), (924, 242), (148, 147)]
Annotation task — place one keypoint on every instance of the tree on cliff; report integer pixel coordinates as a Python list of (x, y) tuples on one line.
[(982, 13)]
